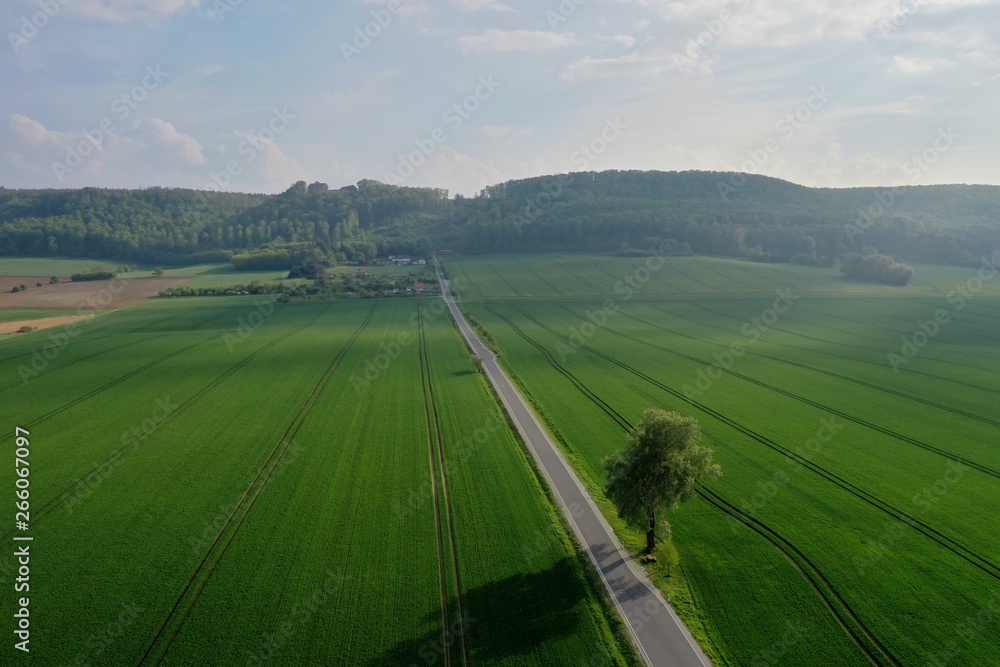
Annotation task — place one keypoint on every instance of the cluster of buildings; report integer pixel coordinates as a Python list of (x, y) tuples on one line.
[(406, 260)]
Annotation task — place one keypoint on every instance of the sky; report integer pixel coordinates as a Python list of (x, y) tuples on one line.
[(254, 95)]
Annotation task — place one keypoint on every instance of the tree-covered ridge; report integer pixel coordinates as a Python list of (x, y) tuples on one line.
[(739, 215), (734, 214), (161, 225)]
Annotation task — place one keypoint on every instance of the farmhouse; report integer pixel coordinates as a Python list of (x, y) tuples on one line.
[(418, 287), (406, 260)]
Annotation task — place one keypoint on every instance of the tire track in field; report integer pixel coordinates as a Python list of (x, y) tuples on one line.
[(845, 616), (877, 652), (110, 349), (90, 394), (865, 349), (870, 385), (956, 548), (117, 348), (89, 339), (826, 352), (542, 280), (243, 508), (115, 458), (802, 399), (438, 467), (908, 326), (502, 277)]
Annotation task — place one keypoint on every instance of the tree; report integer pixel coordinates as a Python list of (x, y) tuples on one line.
[(53, 280), (158, 272), (658, 469)]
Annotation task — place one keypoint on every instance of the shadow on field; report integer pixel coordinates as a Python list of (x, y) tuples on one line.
[(505, 619)]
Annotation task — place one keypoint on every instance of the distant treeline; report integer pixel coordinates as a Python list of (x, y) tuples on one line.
[(878, 269), (737, 215)]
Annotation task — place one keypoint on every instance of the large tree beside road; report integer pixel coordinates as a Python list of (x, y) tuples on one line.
[(658, 469)]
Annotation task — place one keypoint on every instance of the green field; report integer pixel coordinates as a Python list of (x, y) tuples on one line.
[(200, 497), (49, 266), (855, 522)]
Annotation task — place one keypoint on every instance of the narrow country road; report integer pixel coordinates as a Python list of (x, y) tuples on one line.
[(656, 629)]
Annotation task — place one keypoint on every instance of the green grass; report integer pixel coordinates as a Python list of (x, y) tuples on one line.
[(275, 513), (842, 538), (50, 266), (18, 315)]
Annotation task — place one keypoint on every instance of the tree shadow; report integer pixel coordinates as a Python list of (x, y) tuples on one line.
[(503, 619)]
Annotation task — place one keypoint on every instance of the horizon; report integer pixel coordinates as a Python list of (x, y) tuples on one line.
[(452, 195), (182, 93)]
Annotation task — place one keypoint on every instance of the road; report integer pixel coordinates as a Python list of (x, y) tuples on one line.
[(660, 636)]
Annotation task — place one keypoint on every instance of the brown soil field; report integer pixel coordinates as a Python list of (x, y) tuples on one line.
[(83, 297), (7, 328)]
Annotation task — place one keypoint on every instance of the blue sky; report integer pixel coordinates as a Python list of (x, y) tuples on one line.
[(254, 95)]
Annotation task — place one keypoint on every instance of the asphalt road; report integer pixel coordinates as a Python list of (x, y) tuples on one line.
[(656, 629)]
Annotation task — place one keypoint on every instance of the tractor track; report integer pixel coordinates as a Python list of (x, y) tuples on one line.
[(116, 457), (976, 560), (862, 637), (439, 474), (243, 508)]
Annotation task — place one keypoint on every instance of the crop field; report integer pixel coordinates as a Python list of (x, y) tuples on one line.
[(218, 482), (856, 426)]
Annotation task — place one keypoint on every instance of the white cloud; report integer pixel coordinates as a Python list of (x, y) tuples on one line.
[(919, 66), (481, 5), (633, 65), (124, 11), (515, 40), (165, 134), (625, 40)]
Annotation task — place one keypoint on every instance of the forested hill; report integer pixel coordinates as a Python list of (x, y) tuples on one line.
[(735, 214), (626, 211)]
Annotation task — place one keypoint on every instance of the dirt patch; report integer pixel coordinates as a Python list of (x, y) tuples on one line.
[(7, 283), (84, 297), (47, 323)]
